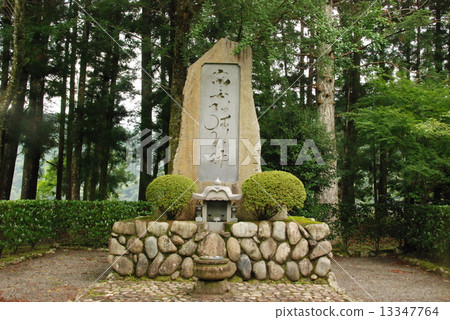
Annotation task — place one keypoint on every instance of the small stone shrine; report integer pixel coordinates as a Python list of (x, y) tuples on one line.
[(216, 204)]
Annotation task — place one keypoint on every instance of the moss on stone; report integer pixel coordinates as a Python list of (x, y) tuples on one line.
[(427, 265), (145, 218), (8, 257), (235, 279), (301, 220), (131, 278), (94, 293), (321, 281), (163, 278), (228, 226)]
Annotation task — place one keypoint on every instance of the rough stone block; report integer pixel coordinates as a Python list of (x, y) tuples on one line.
[(115, 247), (244, 229), (322, 248), (158, 229), (141, 228), (184, 229), (251, 249), (279, 230), (123, 266), (318, 231), (212, 245), (127, 228), (233, 249)]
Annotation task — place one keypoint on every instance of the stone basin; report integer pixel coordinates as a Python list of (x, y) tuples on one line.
[(212, 268)]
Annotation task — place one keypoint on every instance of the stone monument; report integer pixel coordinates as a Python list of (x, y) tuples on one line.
[(219, 135)]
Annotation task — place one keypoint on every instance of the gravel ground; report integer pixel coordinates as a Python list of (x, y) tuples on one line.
[(58, 276), (389, 279), (63, 275)]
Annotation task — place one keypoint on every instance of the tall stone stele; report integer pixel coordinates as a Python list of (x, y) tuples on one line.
[(219, 135)]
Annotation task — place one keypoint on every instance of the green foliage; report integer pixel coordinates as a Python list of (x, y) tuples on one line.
[(170, 194), (292, 122), (410, 121), (424, 230), (46, 188), (265, 192), (86, 223)]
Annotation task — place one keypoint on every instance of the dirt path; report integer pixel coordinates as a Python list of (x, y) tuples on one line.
[(389, 279), (58, 276)]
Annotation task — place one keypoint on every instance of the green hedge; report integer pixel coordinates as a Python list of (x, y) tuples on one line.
[(420, 229), (85, 223)]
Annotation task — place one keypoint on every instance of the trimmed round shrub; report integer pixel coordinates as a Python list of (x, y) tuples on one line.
[(170, 194), (265, 193)]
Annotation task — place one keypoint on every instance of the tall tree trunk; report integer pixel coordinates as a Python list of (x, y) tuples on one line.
[(113, 69), (418, 55), (439, 34), (302, 69), (71, 111), (447, 64), (6, 46), (325, 99), (183, 11), (166, 82), (79, 111), (7, 95), (5, 62), (62, 123), (145, 176), (352, 91), (87, 180), (33, 146), (374, 173), (309, 82), (38, 71), (382, 182), (12, 135), (94, 174)]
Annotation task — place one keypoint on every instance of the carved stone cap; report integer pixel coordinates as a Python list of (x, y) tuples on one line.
[(217, 192)]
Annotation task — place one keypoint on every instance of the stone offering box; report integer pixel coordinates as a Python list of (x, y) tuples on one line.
[(256, 250)]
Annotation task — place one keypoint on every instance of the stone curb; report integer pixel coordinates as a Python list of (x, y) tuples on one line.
[(25, 258)]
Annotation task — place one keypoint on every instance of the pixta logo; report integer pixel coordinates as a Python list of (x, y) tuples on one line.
[(141, 150)]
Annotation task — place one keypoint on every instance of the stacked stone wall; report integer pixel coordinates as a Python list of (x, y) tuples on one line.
[(256, 250)]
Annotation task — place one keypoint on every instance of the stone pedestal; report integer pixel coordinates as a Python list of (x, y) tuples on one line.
[(212, 272), (211, 287)]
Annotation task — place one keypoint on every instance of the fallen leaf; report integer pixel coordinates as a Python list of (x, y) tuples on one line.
[(397, 271)]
